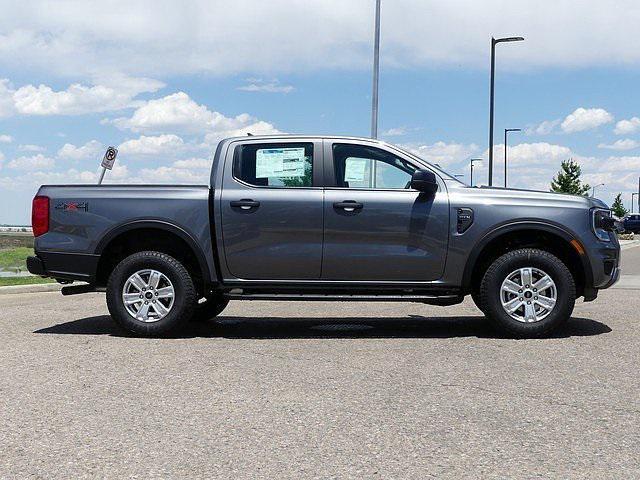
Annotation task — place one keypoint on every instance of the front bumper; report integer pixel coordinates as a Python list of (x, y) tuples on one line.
[(615, 276)]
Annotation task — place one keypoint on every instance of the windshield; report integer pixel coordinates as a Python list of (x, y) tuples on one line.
[(444, 174)]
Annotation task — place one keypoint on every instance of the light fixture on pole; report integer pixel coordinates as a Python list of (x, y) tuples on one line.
[(507, 130), (494, 42), (473, 160), (593, 189), (376, 74)]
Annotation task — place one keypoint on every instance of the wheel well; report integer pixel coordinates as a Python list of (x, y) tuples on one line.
[(529, 238), (154, 239)]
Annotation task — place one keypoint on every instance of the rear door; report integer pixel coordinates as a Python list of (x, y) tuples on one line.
[(376, 227), (271, 207)]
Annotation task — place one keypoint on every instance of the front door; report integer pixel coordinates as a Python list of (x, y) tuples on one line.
[(376, 227), (271, 207)]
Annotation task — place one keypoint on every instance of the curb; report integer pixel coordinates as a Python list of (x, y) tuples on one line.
[(631, 244), (38, 288)]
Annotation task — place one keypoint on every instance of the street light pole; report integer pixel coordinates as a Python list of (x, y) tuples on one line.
[(507, 130), (376, 74), (494, 42), (632, 195), (593, 189), (473, 160)]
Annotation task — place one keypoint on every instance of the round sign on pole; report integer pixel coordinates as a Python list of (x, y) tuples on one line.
[(109, 158)]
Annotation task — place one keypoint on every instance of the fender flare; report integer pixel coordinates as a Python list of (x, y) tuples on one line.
[(159, 225), (545, 226)]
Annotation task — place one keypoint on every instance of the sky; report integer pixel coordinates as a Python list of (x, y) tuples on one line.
[(164, 81)]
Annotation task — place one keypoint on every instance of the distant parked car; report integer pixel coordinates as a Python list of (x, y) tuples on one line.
[(632, 223)]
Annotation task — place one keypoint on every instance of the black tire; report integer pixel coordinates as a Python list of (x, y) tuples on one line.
[(501, 268), (184, 298), (210, 308)]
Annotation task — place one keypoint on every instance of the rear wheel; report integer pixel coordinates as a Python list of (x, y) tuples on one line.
[(528, 293), (150, 294)]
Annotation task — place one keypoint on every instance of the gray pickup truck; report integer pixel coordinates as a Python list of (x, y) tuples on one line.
[(324, 218)]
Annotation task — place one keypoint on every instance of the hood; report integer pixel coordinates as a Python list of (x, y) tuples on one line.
[(501, 195)]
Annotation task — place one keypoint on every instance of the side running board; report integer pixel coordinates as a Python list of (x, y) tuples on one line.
[(303, 297)]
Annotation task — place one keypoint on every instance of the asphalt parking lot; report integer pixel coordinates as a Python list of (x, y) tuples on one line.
[(319, 390)]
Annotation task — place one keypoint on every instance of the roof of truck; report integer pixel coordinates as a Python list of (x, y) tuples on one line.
[(296, 135)]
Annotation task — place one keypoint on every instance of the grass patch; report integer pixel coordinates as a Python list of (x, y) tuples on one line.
[(15, 258), (9, 281), (13, 240)]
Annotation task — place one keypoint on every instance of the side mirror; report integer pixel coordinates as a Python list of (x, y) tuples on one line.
[(424, 181)]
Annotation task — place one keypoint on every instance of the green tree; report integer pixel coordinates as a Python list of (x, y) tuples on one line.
[(617, 207), (568, 179)]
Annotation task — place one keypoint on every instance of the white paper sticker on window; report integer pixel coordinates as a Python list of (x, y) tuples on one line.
[(354, 169), (280, 162)]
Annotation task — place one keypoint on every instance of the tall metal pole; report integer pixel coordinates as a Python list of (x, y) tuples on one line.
[(376, 73), (638, 194), (491, 99), (633, 194), (494, 42), (473, 160), (507, 130), (505, 157)]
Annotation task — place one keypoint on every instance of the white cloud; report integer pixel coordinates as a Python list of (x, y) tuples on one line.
[(80, 99), (1, 159), (585, 119), (6, 97), (275, 36), (6, 139), (626, 144), (268, 86), (90, 150), (150, 145), (533, 154), (31, 148), (395, 132), (544, 128), (116, 93), (625, 127), (173, 175), (443, 154), (35, 162), (193, 163)]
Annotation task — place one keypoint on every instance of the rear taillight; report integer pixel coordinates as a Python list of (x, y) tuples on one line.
[(40, 215)]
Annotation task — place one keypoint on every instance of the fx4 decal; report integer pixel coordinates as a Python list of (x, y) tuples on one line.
[(72, 206)]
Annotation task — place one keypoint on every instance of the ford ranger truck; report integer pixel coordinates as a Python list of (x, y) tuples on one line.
[(324, 218)]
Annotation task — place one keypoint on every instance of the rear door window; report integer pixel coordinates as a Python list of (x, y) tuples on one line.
[(274, 165)]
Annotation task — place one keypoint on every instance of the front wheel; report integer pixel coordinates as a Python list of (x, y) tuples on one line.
[(150, 294), (528, 293)]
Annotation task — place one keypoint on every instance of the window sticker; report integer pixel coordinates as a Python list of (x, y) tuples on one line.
[(354, 169), (280, 162)]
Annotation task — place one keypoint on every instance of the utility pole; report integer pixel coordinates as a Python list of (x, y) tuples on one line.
[(494, 42), (376, 74), (507, 130), (473, 160)]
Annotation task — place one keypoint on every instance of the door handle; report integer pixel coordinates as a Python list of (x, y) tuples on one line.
[(244, 204), (348, 205)]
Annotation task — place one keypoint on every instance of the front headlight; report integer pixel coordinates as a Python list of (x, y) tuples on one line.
[(602, 223)]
